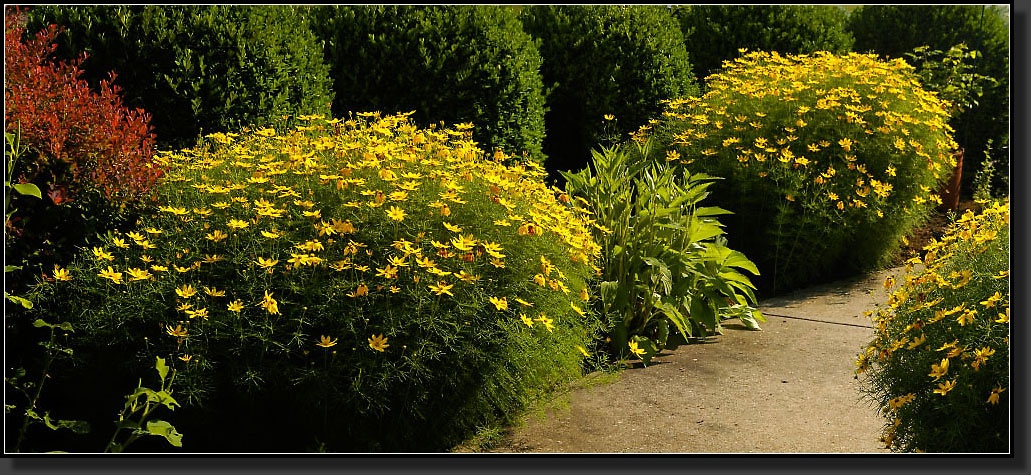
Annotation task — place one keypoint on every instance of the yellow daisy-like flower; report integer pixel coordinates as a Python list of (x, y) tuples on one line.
[(326, 341), (442, 288), (237, 224), (527, 320), (271, 234), (583, 351), (635, 349), (202, 312), (396, 214), (546, 321), (101, 255), (378, 343), (178, 331), (216, 236), (452, 228), (235, 306), (994, 397), (61, 274), (944, 388), (500, 303), (139, 274), (186, 291), (110, 274), (269, 304)]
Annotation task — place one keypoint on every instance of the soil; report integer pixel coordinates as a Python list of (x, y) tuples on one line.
[(789, 388)]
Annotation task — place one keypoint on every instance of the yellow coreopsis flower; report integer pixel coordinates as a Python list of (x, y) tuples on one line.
[(61, 274), (500, 303), (442, 288), (635, 349), (994, 397), (101, 255), (396, 214), (526, 320), (326, 341), (378, 343), (944, 388), (186, 291), (235, 306), (939, 370), (269, 304), (110, 274)]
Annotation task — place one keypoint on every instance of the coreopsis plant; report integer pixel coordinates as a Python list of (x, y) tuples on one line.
[(828, 160), (395, 285), (939, 362)]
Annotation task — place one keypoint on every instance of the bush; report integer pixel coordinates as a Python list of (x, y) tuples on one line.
[(90, 154), (363, 282), (663, 257), (828, 160), (715, 33), (604, 60), (939, 363), (199, 68), (447, 63), (892, 31)]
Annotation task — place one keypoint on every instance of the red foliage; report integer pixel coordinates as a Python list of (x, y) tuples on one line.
[(78, 139)]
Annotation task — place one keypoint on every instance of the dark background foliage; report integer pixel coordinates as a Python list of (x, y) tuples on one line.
[(448, 64), (714, 33), (198, 69), (604, 60)]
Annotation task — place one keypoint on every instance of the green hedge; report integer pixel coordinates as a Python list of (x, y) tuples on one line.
[(714, 33), (600, 60), (828, 161), (892, 31), (449, 64), (198, 68)]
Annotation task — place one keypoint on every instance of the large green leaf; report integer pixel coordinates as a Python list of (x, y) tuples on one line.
[(28, 189), (164, 429)]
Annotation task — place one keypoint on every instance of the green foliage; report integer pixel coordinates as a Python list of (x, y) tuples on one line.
[(939, 362), (951, 74), (141, 404), (892, 31), (828, 160), (715, 33), (604, 59), (449, 64), (983, 180), (664, 258), (198, 68), (359, 281)]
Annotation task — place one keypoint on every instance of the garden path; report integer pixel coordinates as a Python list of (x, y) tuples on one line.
[(787, 389)]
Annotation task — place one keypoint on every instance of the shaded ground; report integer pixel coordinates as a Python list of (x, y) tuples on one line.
[(787, 389)]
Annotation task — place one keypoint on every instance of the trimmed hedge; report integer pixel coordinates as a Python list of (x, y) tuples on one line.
[(714, 33), (198, 69), (893, 30), (598, 60), (449, 64)]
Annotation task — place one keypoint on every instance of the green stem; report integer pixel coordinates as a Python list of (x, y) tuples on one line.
[(39, 390)]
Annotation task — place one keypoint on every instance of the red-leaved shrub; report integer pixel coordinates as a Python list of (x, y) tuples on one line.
[(77, 139)]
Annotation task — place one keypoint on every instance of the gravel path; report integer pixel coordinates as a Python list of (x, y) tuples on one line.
[(787, 389)]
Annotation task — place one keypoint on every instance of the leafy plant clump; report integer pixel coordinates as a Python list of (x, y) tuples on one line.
[(198, 68), (604, 60), (362, 281), (939, 362), (828, 160), (447, 63), (666, 266)]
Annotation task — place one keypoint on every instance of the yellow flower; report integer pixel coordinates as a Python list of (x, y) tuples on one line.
[(237, 224), (992, 300), (396, 214), (442, 288), (203, 313), (326, 342), (577, 309), (139, 274), (501, 304), (546, 321), (583, 351), (186, 291), (110, 273), (271, 234), (635, 349), (119, 243), (378, 343), (994, 397), (388, 272), (61, 274), (360, 291), (269, 304), (216, 236), (178, 331), (214, 292), (944, 388), (540, 280), (523, 302), (939, 370), (527, 320), (100, 254), (452, 228), (235, 306)]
